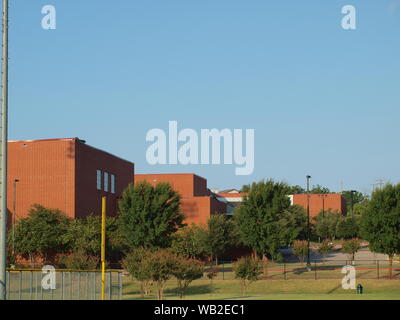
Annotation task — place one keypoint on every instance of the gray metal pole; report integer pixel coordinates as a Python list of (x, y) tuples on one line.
[(3, 156)]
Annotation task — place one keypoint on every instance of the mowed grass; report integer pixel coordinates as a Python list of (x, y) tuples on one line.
[(273, 290)]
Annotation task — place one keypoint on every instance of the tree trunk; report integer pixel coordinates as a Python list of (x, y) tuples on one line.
[(390, 266), (265, 265)]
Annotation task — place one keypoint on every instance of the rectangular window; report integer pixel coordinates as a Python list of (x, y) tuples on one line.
[(98, 179), (113, 183), (105, 181)]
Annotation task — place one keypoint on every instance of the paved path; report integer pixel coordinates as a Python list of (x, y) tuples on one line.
[(336, 256)]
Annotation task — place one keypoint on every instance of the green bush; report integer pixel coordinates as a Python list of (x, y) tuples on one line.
[(247, 270), (300, 249), (78, 261), (185, 271)]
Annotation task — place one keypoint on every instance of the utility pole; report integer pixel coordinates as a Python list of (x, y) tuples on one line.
[(3, 155), (380, 183), (308, 223)]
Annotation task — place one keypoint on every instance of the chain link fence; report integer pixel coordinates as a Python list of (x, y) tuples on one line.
[(318, 269), (69, 285)]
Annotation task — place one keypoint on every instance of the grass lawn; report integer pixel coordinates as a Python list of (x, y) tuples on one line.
[(274, 290)]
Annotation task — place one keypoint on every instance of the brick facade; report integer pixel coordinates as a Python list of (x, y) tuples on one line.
[(197, 203), (62, 174)]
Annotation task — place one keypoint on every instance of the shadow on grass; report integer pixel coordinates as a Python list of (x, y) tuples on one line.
[(192, 290)]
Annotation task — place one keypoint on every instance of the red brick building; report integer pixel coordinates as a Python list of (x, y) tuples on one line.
[(321, 202), (197, 203), (66, 174)]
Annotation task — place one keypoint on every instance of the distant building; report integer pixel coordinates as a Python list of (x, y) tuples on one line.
[(65, 174), (198, 202), (321, 202), (232, 197)]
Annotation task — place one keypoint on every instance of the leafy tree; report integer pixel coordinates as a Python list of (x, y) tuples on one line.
[(326, 224), (191, 242), (84, 237), (300, 249), (40, 234), (245, 188), (324, 248), (350, 247), (352, 198), (220, 235), (247, 270), (258, 215), (346, 228), (318, 189), (360, 208), (150, 215), (292, 224), (296, 190), (380, 224), (185, 271), (137, 263), (161, 265)]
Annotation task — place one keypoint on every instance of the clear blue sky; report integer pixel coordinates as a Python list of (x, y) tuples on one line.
[(323, 101)]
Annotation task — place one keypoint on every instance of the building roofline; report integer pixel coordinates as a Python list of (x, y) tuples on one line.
[(169, 174), (76, 139)]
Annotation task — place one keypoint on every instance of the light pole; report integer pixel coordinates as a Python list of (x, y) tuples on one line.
[(308, 223), (3, 155), (14, 212), (352, 192)]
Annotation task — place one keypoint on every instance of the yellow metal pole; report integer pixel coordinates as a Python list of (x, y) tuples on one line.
[(103, 245)]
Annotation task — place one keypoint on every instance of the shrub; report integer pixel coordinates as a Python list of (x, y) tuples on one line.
[(324, 248), (136, 263), (185, 271), (300, 249), (78, 261), (247, 270), (350, 247)]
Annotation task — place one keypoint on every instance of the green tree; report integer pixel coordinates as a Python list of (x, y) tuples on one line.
[(150, 215), (40, 235), (296, 190), (324, 248), (350, 247), (137, 263), (326, 224), (292, 224), (191, 242), (258, 215), (380, 223), (220, 235), (347, 228), (84, 237), (161, 265), (318, 189), (247, 270), (300, 249), (186, 271), (355, 197)]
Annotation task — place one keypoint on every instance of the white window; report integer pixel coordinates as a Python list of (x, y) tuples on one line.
[(112, 183), (105, 181), (98, 179)]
